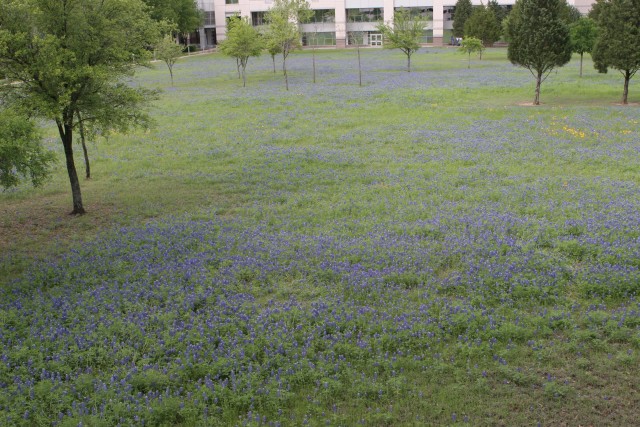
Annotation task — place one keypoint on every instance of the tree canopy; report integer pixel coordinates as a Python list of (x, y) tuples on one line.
[(471, 45), (618, 42), (462, 12), (22, 155), (539, 38), (70, 59), (184, 14), (404, 33)]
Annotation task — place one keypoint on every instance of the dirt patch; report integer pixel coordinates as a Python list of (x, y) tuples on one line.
[(31, 226)]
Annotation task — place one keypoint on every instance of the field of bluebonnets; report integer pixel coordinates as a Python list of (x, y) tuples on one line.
[(426, 249)]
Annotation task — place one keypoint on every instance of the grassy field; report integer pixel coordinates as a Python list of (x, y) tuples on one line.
[(427, 249)]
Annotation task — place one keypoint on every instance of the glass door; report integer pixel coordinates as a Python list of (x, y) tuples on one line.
[(375, 39)]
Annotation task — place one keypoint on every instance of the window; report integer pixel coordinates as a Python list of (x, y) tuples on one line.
[(319, 39), (258, 18), (230, 1), (423, 13), (323, 15), (365, 15), (209, 18)]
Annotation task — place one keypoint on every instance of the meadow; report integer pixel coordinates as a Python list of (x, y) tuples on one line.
[(427, 249)]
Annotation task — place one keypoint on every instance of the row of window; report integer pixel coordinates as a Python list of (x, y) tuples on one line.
[(321, 16)]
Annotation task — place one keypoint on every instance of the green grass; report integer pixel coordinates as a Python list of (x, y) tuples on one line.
[(438, 154)]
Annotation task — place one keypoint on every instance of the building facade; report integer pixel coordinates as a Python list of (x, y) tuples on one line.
[(343, 22)]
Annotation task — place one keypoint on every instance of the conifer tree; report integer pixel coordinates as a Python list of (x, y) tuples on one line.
[(618, 43), (540, 39), (462, 12)]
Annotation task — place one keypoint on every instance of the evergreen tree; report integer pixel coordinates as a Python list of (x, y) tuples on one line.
[(539, 37), (499, 11), (618, 42), (461, 13), (483, 25)]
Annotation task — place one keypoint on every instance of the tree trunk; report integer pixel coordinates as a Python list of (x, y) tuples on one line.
[(314, 64), (469, 63), (359, 68), (284, 70), (273, 58), (625, 92), (238, 67), (244, 73), (85, 152), (171, 74), (581, 54), (408, 63), (66, 135), (536, 101)]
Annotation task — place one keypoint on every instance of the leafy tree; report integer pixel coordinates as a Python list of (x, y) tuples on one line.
[(169, 51), (22, 155), (284, 18), (273, 47), (471, 45), (404, 33), (71, 57), (184, 14), (461, 13), (539, 38), (483, 25), (243, 41), (583, 36), (618, 42)]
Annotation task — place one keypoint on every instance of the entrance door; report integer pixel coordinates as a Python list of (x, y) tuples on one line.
[(375, 39)]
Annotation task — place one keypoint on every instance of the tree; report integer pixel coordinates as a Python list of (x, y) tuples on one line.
[(22, 155), (483, 25), (169, 51), (356, 38), (404, 33), (539, 38), (273, 47), (499, 11), (461, 13), (583, 35), (243, 41), (570, 13), (70, 58), (618, 42), (470, 45), (184, 14), (284, 18)]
